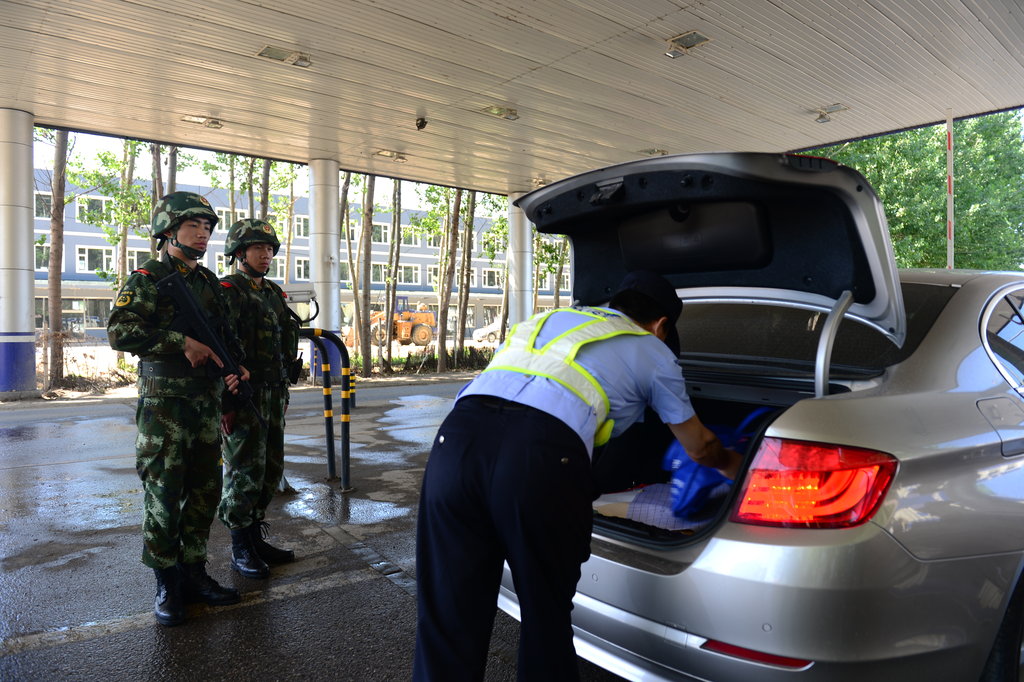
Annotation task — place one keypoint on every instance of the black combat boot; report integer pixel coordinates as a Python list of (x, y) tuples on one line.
[(200, 587), (244, 558), (169, 607), (270, 554)]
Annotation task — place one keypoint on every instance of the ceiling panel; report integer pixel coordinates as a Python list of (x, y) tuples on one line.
[(588, 78)]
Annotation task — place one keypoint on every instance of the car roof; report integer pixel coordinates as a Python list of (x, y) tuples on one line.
[(774, 228)]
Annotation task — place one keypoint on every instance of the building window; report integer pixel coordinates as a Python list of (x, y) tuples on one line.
[(491, 313), (136, 257), (91, 259), (433, 274), (434, 240), (44, 205), (565, 282), (492, 278), (42, 256), (225, 220), (542, 281), (409, 236), (301, 226), (343, 275), (276, 270), (377, 273), (93, 210), (408, 274), (221, 266), (379, 233), (302, 269)]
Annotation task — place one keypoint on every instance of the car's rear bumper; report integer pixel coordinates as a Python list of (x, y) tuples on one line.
[(854, 606)]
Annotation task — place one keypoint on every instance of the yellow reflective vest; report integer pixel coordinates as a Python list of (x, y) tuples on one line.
[(556, 359)]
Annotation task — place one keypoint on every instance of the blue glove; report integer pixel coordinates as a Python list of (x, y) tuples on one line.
[(691, 482)]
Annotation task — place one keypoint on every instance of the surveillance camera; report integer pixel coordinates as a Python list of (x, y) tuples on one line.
[(421, 123)]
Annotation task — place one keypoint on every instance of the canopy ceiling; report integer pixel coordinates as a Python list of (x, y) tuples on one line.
[(588, 79)]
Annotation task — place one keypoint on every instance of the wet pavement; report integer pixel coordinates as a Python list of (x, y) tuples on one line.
[(76, 603)]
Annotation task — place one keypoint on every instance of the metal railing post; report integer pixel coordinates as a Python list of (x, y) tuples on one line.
[(311, 333)]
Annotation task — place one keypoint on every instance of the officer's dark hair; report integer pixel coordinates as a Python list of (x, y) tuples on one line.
[(638, 306)]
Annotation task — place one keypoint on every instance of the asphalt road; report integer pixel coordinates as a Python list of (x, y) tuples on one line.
[(75, 603)]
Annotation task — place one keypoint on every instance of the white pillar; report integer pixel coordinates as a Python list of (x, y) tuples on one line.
[(17, 254), (520, 263), (324, 242)]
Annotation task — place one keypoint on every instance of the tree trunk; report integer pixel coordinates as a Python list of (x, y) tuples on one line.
[(265, 190), (157, 186), (289, 230), (464, 276), (447, 273), (394, 258), (53, 285), (172, 169), (563, 253), (250, 184), (366, 268), (504, 305), (353, 276)]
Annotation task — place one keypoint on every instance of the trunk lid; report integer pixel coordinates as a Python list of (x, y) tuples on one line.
[(782, 229)]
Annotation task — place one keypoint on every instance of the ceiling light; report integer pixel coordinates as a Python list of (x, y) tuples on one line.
[(540, 182), (653, 151), (502, 112), (390, 154), (285, 56), (206, 121), (823, 112), (681, 44)]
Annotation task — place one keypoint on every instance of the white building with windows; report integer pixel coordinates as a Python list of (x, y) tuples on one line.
[(89, 262)]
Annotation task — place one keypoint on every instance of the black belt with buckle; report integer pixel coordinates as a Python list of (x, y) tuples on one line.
[(170, 370)]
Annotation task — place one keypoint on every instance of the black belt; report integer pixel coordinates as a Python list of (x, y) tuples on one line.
[(495, 403), (171, 370)]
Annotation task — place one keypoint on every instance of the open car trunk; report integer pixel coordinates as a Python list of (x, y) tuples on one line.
[(754, 232)]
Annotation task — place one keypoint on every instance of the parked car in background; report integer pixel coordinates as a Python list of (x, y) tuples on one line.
[(876, 531), (489, 333)]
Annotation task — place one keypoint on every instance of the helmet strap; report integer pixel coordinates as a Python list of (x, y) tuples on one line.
[(192, 253), (243, 264)]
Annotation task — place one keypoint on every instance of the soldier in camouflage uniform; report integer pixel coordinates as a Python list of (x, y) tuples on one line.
[(254, 453), (179, 409)]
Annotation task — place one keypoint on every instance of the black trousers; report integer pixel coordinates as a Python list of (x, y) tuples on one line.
[(504, 482)]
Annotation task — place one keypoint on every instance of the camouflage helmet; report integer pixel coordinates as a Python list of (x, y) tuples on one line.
[(176, 207), (250, 231)]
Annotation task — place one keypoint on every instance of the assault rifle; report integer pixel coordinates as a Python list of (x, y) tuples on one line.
[(192, 321)]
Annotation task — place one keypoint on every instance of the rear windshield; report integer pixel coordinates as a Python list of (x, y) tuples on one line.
[(773, 335)]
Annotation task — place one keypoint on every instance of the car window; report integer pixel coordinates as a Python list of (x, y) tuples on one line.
[(1004, 331), (766, 334)]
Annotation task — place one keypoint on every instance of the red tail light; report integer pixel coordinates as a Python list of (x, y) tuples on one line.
[(793, 484)]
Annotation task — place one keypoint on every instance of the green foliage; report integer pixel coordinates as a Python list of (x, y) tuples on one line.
[(495, 239), (129, 201), (908, 170)]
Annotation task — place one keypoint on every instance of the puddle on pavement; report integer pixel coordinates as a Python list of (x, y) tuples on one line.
[(416, 418), (325, 504)]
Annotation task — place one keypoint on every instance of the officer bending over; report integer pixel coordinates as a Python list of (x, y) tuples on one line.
[(509, 475)]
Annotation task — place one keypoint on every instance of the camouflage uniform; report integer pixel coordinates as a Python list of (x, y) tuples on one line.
[(254, 457), (178, 415), (254, 452)]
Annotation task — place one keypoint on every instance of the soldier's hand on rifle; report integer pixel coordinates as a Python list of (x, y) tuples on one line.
[(198, 353)]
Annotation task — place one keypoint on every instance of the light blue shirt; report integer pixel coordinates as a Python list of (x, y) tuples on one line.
[(634, 371)]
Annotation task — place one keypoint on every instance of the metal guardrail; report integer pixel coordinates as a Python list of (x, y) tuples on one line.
[(316, 336)]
